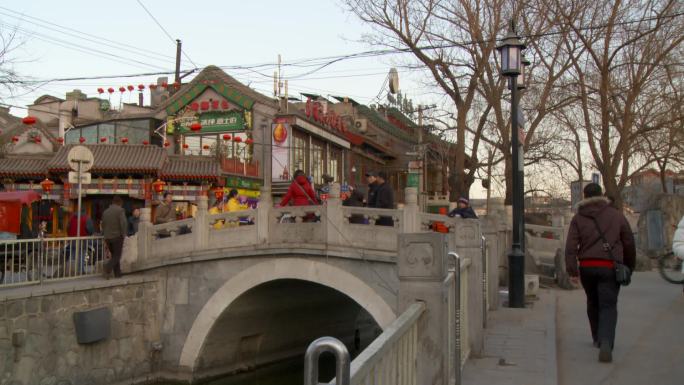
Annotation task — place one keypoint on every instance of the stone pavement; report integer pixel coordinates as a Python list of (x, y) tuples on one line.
[(549, 342), (519, 347)]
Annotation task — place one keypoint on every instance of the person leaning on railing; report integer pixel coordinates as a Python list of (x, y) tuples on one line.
[(165, 213), (217, 208)]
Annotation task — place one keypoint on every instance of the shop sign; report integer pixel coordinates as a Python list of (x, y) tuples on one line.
[(242, 183), (216, 121), (280, 154), (413, 179), (314, 111)]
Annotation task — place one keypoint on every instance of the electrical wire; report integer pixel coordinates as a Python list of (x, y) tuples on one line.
[(165, 31)]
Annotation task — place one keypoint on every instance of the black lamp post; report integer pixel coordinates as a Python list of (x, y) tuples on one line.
[(512, 67)]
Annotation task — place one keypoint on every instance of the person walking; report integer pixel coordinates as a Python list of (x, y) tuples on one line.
[(300, 192), (384, 199), (114, 228), (599, 237), (355, 199), (79, 248), (463, 210), (372, 179)]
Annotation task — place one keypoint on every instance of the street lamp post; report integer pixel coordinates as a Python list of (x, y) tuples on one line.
[(512, 67)]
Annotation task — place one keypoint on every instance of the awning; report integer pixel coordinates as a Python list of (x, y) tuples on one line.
[(191, 167)]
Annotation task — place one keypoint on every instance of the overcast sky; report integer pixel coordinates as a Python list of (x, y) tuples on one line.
[(223, 33)]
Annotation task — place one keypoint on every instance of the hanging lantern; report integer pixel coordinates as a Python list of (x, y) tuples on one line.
[(130, 88), (141, 87), (158, 186), (103, 139), (152, 86), (122, 89), (110, 90), (165, 85), (196, 126), (226, 137), (185, 146), (100, 90), (204, 105), (218, 193), (145, 142), (46, 185), (81, 140), (176, 85), (237, 139), (215, 104), (60, 140), (29, 120), (37, 139), (166, 143), (224, 105), (15, 139), (206, 147), (249, 141), (124, 140), (194, 106)]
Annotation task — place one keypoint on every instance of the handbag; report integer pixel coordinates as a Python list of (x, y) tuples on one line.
[(623, 275)]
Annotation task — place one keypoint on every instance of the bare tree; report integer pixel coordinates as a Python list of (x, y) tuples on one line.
[(625, 46), (10, 80)]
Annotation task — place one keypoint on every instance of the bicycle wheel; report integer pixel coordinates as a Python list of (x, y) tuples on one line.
[(670, 268)]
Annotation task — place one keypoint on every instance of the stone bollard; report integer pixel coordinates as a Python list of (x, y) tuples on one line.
[(333, 217), (145, 234), (410, 218), (201, 226), (263, 214)]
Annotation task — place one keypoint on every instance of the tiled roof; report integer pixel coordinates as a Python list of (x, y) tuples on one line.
[(116, 158), (191, 167), (381, 123), (23, 166)]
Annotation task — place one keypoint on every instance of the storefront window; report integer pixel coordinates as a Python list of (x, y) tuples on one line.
[(335, 163), (298, 151), (317, 160), (215, 145), (135, 130)]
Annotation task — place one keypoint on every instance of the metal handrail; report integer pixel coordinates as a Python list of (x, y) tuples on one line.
[(313, 353), (456, 271)]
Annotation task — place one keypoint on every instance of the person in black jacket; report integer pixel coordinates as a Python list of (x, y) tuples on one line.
[(372, 179), (463, 210), (384, 199), (355, 199)]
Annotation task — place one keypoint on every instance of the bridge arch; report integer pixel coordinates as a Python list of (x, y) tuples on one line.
[(282, 268)]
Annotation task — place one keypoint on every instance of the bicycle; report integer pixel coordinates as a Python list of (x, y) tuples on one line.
[(671, 268)]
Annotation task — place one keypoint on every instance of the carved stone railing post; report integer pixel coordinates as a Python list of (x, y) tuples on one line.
[(333, 216), (145, 234), (201, 225), (263, 212), (410, 219)]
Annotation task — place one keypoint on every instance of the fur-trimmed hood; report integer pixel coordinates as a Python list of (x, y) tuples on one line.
[(592, 206)]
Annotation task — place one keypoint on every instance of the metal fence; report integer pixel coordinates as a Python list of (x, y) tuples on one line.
[(28, 261)]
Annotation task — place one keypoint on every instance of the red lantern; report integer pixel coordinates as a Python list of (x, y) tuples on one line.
[(165, 85), (215, 104), (60, 140), (141, 87), (194, 106), (185, 146), (124, 140), (146, 142), (37, 139), (196, 126), (122, 89), (29, 120), (249, 141), (237, 139), (226, 137), (204, 105), (100, 90), (218, 193), (224, 105), (130, 88), (81, 140), (15, 139), (46, 185), (152, 86), (166, 143), (103, 139), (110, 90), (206, 147), (176, 85), (158, 186)]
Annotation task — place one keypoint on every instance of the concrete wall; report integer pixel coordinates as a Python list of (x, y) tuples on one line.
[(38, 341)]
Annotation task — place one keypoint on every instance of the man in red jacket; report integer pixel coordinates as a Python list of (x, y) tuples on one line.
[(300, 192), (596, 259)]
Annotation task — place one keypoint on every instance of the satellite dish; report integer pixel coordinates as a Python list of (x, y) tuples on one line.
[(393, 80)]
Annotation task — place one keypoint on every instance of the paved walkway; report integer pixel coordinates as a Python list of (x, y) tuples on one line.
[(550, 343)]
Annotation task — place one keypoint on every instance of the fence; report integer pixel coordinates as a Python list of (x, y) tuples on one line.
[(29, 261)]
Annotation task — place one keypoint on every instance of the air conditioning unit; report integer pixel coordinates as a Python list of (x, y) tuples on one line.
[(361, 125)]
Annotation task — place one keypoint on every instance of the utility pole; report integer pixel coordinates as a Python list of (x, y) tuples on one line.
[(178, 61), (177, 79)]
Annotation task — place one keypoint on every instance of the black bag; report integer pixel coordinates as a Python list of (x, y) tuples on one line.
[(623, 275)]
